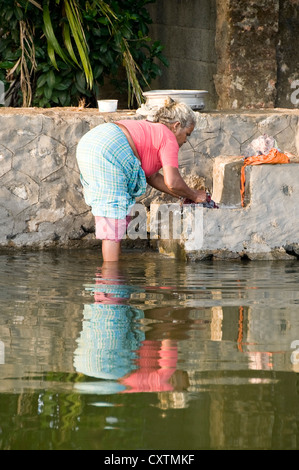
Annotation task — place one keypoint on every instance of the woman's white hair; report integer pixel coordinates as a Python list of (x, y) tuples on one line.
[(175, 111)]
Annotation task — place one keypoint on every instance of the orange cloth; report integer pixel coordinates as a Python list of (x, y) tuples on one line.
[(273, 157)]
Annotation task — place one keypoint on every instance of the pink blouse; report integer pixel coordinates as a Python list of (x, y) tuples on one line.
[(155, 144)]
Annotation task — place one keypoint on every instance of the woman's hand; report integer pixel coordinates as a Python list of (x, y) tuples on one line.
[(201, 196)]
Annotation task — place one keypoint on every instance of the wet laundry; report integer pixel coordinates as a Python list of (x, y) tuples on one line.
[(262, 150), (210, 204)]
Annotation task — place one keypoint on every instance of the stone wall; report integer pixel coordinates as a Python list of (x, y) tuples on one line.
[(245, 53), (41, 199), (266, 228), (186, 28), (246, 47), (288, 54)]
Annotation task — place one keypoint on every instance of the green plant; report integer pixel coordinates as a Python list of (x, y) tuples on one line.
[(59, 52)]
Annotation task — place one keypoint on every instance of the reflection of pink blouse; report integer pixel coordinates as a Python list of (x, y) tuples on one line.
[(155, 144), (156, 364)]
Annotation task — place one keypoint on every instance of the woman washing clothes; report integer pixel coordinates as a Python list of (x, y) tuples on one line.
[(117, 160)]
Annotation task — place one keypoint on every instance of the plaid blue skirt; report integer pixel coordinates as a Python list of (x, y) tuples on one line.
[(111, 175)]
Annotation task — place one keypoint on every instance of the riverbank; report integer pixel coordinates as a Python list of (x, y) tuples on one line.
[(41, 199)]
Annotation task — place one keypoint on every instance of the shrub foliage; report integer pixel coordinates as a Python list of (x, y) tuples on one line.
[(60, 52)]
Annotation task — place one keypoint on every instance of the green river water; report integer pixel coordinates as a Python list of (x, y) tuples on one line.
[(149, 354)]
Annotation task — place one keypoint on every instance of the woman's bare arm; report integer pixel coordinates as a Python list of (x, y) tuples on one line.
[(157, 181), (174, 184)]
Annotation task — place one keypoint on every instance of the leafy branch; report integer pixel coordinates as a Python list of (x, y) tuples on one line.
[(58, 52)]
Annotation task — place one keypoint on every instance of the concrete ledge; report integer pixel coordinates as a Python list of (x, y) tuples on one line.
[(226, 180), (267, 228), (41, 199)]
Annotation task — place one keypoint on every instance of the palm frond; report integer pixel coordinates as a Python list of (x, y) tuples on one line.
[(36, 4), (75, 22), (106, 10), (27, 55), (131, 67), (73, 34), (68, 42), (53, 44)]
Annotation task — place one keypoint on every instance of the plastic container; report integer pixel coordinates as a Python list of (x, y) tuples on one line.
[(194, 98), (107, 106)]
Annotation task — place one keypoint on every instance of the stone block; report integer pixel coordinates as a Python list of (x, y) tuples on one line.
[(5, 160), (265, 229), (6, 224), (18, 130), (226, 180), (44, 154), (18, 192)]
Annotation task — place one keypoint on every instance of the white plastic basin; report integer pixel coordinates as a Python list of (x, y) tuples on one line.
[(194, 98)]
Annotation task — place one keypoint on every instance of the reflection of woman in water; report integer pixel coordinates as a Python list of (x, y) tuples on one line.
[(110, 334), (112, 346)]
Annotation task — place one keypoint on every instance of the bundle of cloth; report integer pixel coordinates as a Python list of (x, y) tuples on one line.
[(210, 204), (262, 150)]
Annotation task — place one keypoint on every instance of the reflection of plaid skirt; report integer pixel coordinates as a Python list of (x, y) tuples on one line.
[(110, 173), (109, 340)]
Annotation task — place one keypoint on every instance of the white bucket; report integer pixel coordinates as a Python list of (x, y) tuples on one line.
[(107, 106)]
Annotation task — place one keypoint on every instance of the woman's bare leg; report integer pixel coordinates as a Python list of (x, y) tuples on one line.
[(110, 250)]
